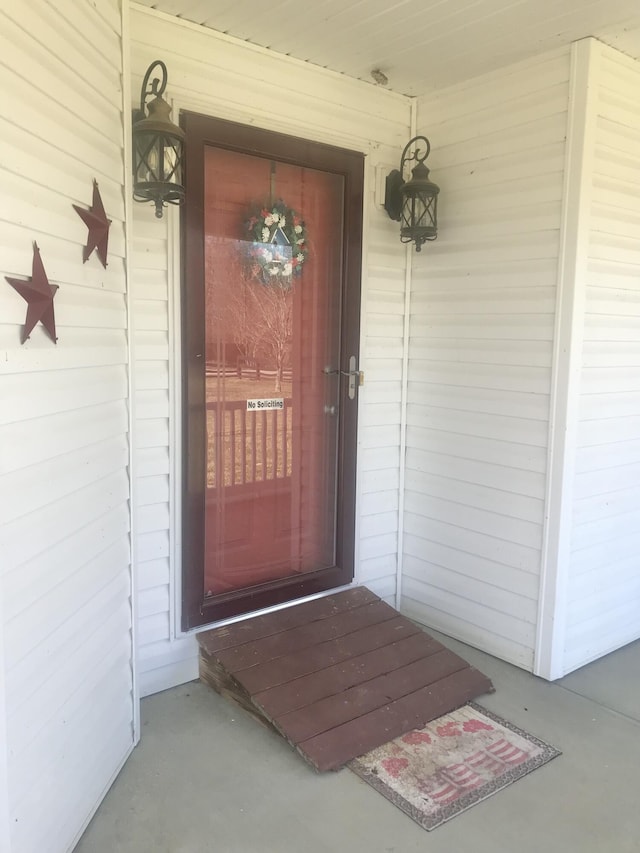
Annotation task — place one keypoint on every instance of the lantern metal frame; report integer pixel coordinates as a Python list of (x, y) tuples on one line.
[(413, 203), (158, 146)]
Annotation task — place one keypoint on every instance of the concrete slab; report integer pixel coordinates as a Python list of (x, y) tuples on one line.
[(207, 777), (612, 681)]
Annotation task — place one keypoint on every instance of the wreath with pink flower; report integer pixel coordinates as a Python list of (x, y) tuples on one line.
[(278, 248)]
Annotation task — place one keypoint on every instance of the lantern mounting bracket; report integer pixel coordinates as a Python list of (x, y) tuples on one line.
[(395, 180), (393, 194), (157, 88)]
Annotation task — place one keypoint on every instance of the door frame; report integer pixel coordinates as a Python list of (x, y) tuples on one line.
[(202, 130)]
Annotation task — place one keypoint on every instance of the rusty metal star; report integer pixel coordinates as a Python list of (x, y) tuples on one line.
[(96, 221), (38, 294)]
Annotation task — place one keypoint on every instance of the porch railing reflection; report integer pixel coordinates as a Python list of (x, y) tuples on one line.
[(245, 447)]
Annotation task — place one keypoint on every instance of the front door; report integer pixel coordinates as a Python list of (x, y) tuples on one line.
[(270, 300)]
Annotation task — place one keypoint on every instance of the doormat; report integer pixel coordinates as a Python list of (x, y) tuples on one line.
[(453, 763)]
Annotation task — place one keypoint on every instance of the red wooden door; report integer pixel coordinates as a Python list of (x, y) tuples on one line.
[(270, 328)]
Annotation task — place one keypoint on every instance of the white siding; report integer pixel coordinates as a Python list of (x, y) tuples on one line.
[(481, 340), (603, 596), (222, 77), (64, 524), (163, 659)]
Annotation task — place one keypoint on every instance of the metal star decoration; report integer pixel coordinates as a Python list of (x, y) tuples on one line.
[(96, 221), (38, 294)]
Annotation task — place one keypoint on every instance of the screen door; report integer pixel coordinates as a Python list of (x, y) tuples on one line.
[(276, 375)]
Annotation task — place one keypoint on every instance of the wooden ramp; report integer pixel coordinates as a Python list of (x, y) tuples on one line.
[(337, 676)]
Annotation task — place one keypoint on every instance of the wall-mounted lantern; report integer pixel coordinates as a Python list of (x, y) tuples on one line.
[(413, 203), (158, 146)]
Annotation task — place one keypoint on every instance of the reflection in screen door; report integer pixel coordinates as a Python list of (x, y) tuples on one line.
[(272, 342)]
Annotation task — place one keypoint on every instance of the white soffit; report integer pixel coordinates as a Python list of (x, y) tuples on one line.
[(420, 45)]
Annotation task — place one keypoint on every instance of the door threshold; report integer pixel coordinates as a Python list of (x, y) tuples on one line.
[(242, 617)]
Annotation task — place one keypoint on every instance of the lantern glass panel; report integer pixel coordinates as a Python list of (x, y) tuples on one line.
[(419, 217), (158, 167), (158, 158), (172, 160), (147, 158)]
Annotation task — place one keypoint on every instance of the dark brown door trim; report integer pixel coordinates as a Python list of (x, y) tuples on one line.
[(200, 132)]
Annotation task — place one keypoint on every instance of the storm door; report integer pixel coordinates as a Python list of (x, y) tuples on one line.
[(271, 281)]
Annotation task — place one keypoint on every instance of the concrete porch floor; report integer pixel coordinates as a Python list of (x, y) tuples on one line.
[(207, 777)]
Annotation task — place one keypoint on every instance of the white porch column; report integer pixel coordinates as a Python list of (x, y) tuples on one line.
[(567, 358)]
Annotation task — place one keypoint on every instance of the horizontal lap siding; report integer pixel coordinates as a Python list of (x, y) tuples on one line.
[(232, 80), (383, 300), (604, 581), (482, 326), (160, 656), (64, 453)]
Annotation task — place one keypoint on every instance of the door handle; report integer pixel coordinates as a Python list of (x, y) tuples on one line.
[(356, 377)]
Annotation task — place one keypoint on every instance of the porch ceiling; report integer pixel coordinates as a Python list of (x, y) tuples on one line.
[(420, 45)]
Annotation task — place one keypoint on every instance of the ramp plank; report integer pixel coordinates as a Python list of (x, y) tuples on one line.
[(335, 679)]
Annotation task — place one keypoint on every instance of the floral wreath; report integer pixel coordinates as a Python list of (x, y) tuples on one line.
[(278, 247)]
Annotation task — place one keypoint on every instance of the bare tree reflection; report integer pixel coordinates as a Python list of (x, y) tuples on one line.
[(259, 318)]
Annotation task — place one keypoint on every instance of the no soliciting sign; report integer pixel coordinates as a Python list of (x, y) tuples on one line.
[(260, 405)]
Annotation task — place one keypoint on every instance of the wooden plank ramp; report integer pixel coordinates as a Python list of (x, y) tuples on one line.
[(337, 676)]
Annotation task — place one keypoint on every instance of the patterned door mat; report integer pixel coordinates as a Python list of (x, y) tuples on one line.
[(456, 761)]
